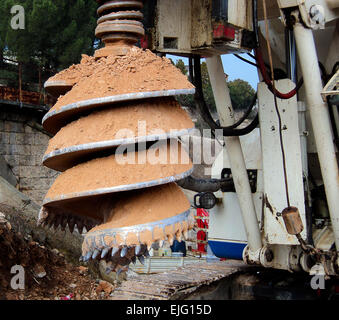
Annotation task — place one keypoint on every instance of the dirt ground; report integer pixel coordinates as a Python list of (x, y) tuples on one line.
[(47, 275)]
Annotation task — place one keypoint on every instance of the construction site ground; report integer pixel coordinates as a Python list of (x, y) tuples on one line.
[(48, 276)]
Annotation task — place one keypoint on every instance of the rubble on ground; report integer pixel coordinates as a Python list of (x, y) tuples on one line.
[(47, 275)]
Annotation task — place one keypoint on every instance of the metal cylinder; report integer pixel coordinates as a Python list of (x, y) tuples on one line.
[(320, 121), (123, 217), (235, 154), (120, 21), (292, 220)]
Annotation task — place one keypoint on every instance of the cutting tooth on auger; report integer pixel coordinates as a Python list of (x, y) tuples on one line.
[(118, 150)]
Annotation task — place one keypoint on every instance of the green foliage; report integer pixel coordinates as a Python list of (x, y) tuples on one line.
[(184, 100), (188, 100), (56, 32), (181, 65), (207, 88), (8, 77), (241, 91), (241, 94)]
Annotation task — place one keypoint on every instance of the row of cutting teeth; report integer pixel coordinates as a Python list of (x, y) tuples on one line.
[(55, 220), (103, 240), (119, 257), (123, 254)]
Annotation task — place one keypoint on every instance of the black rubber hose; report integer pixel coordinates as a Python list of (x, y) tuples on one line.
[(245, 60), (323, 72), (190, 68), (246, 114), (309, 223), (334, 69), (255, 21), (227, 131), (205, 113), (327, 77), (299, 84), (205, 185), (333, 122)]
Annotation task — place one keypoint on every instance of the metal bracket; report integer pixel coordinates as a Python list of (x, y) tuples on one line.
[(311, 13), (332, 87)]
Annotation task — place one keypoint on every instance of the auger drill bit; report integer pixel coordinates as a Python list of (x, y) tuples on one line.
[(60, 217), (118, 29), (119, 187), (155, 215), (100, 130)]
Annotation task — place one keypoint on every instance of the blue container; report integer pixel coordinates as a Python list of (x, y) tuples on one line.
[(179, 247), (227, 249)]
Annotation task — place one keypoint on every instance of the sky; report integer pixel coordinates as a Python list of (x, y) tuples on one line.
[(235, 68)]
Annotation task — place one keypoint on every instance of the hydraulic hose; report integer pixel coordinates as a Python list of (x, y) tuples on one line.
[(205, 185), (205, 113), (262, 68)]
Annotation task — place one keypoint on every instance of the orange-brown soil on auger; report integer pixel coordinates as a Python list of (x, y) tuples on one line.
[(138, 71), (164, 114), (161, 161), (146, 205), (75, 72), (139, 210), (129, 185)]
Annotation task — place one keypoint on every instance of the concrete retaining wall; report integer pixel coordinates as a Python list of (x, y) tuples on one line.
[(22, 146)]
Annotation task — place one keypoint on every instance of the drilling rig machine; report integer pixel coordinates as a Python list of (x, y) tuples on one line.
[(275, 183)]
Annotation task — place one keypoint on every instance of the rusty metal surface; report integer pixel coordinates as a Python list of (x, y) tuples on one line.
[(120, 20), (110, 5), (176, 284), (292, 220), (136, 15)]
